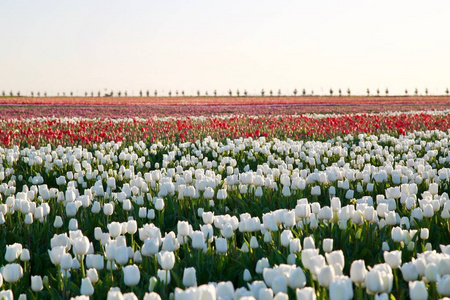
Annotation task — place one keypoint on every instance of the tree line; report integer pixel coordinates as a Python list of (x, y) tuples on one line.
[(237, 93)]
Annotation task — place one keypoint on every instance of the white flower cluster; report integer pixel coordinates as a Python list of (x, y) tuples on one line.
[(296, 195)]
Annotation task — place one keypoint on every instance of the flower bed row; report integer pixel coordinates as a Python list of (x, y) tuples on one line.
[(80, 131), (354, 216)]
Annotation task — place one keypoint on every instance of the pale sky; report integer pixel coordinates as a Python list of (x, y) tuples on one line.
[(84, 45)]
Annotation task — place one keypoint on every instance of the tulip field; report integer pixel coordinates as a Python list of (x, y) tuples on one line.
[(248, 201)]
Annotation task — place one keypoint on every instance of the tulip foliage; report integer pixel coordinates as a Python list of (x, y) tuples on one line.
[(361, 215)]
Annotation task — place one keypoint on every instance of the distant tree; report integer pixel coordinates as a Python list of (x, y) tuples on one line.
[(112, 94), (340, 92), (92, 93), (32, 94), (215, 93), (182, 93), (245, 93), (416, 92), (3, 93), (312, 92), (446, 91), (198, 93), (45, 94), (126, 94), (271, 93), (11, 94), (206, 93), (295, 92), (64, 94), (85, 94), (230, 92), (156, 93), (304, 92), (140, 93), (406, 92), (331, 92), (368, 92), (279, 92), (170, 93), (387, 91), (98, 93), (71, 94), (176, 92), (18, 94), (426, 91), (147, 93), (262, 92), (348, 91), (378, 92), (237, 92), (119, 93)]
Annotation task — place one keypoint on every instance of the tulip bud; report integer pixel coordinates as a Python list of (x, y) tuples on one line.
[(327, 245), (297, 278), (409, 271), (198, 240), (132, 226), (95, 207), (247, 275), (131, 275), (73, 224), (166, 260), (326, 276), (58, 223), (81, 245), (279, 284), (294, 245), (358, 271), (189, 278), (424, 233), (253, 242), (208, 217), (267, 237), (308, 243), (221, 245), (92, 274), (159, 204), (335, 258), (152, 283), (164, 276), (265, 293), (121, 254), (152, 296), (393, 258), (417, 290), (431, 272), (443, 285), (183, 228), (66, 261), (36, 283), (307, 254), (397, 234), (86, 287), (306, 293)]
